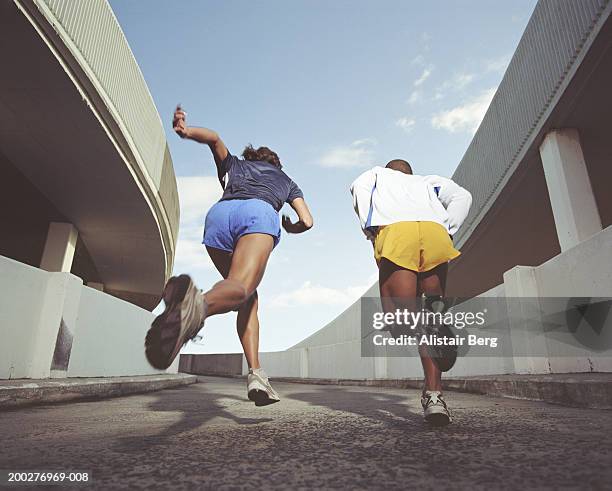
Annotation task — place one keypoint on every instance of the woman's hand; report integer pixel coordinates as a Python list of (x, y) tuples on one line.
[(178, 122), (295, 228), (290, 228), (200, 135), (304, 218)]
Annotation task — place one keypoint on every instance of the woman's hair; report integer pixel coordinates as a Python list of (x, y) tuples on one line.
[(262, 154)]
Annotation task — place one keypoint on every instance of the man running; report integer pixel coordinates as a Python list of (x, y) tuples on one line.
[(410, 220), (240, 232)]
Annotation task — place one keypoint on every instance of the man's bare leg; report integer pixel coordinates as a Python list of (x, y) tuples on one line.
[(431, 283), (397, 283), (398, 286)]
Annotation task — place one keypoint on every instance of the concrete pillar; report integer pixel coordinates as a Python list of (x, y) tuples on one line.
[(72, 287), (529, 347), (51, 341), (520, 282), (59, 247), (569, 187)]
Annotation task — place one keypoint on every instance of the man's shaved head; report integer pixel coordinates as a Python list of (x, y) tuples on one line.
[(400, 165)]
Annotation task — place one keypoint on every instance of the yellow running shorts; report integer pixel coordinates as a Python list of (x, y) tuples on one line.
[(418, 246)]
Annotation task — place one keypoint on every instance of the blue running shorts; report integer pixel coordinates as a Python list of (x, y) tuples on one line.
[(229, 220)]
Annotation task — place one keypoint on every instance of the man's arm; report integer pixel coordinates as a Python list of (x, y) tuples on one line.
[(200, 135), (455, 199), (361, 189)]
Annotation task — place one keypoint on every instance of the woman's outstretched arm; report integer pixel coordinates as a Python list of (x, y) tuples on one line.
[(304, 217), (200, 135)]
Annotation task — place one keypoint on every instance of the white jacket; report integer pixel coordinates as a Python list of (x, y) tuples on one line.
[(384, 196)]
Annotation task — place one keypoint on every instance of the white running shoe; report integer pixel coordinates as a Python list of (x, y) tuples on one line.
[(181, 320), (435, 410), (259, 389)]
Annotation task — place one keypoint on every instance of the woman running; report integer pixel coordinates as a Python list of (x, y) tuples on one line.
[(240, 232)]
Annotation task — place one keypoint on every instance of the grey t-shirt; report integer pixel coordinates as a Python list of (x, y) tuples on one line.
[(248, 179)]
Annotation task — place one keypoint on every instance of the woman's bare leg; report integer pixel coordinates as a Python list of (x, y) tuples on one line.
[(247, 325), (246, 270), (247, 322), (432, 283)]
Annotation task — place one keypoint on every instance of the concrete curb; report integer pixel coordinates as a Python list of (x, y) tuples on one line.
[(24, 392), (595, 394), (592, 390)]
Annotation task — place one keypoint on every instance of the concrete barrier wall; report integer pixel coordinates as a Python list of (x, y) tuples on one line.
[(291, 363), (583, 271), (109, 338), (334, 352), (345, 327), (51, 325), (22, 316), (217, 364)]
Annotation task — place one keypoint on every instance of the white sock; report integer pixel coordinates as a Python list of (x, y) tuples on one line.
[(258, 371)]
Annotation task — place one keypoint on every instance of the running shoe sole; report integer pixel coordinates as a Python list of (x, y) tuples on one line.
[(167, 334), (438, 419), (444, 357), (261, 397)]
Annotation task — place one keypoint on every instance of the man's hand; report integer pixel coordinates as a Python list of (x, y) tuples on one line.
[(178, 123), (371, 233)]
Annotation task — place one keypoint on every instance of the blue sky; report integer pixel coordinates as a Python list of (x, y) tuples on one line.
[(334, 87)]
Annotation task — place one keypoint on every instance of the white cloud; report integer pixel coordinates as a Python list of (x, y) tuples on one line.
[(365, 141), (415, 96), (357, 154), (499, 64), (418, 60), (191, 254), (465, 117), (425, 39), (424, 76), (407, 124), (313, 294), (196, 195), (456, 83), (460, 80)]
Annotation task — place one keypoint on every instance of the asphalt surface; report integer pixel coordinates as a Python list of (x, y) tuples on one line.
[(208, 435)]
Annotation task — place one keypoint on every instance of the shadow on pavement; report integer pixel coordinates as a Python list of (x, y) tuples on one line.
[(390, 409), (197, 404)]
